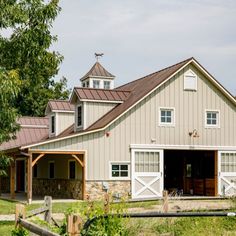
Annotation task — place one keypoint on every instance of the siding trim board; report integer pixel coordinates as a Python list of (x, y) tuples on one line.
[(202, 69), (181, 147)]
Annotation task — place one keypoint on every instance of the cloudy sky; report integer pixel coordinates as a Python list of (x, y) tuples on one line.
[(139, 37)]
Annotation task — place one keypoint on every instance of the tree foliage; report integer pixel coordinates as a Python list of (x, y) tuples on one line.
[(27, 50)]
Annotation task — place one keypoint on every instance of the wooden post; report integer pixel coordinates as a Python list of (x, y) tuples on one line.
[(12, 178), (216, 172), (29, 172), (48, 204), (83, 179), (165, 201), (74, 225), (20, 212), (106, 203)]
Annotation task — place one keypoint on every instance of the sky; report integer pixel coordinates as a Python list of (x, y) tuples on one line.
[(139, 37)]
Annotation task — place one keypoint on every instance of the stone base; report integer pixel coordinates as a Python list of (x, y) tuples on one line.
[(57, 188), (118, 189)]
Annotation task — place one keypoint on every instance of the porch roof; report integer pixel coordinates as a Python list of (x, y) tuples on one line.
[(32, 130)]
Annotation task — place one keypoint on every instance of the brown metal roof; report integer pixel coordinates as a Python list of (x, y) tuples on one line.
[(33, 130), (60, 105), (98, 70), (101, 94), (33, 121), (139, 88)]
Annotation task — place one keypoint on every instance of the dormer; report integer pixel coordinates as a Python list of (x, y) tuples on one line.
[(60, 114), (91, 104), (98, 78)]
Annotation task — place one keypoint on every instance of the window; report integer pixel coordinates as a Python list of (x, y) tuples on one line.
[(212, 118), (147, 161), (52, 124), (72, 169), (228, 162), (84, 85), (190, 81), (119, 170), (96, 83), (79, 116), (107, 84), (167, 116), (35, 171), (51, 170), (87, 84)]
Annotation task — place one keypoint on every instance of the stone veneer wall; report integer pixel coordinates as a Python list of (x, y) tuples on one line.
[(57, 188), (95, 189)]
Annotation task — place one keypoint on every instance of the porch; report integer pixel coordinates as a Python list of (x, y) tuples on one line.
[(60, 174)]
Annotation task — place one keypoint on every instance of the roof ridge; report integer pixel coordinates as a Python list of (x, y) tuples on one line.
[(101, 89), (34, 117), (153, 73)]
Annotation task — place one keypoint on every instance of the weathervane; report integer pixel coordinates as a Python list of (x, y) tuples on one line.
[(97, 55)]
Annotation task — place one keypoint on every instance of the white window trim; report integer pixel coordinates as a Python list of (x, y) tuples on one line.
[(69, 169), (190, 73), (80, 126), (49, 169), (217, 119), (172, 124), (53, 115), (119, 163)]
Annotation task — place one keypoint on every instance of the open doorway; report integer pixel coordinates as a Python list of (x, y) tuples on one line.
[(190, 172)]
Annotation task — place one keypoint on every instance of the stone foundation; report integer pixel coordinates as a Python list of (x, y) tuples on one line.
[(57, 188), (118, 189)]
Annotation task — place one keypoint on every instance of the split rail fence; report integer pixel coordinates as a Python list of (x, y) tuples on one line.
[(75, 224)]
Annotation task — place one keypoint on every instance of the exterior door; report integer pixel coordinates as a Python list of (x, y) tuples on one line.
[(20, 175), (147, 173), (227, 173)]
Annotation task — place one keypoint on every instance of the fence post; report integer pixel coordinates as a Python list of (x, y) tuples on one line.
[(106, 203), (48, 204), (165, 201), (20, 212), (74, 225)]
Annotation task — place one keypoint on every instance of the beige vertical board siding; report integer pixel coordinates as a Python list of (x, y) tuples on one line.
[(61, 164), (95, 110), (64, 120), (141, 124)]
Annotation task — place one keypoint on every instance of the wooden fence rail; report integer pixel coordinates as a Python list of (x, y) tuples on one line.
[(21, 219)]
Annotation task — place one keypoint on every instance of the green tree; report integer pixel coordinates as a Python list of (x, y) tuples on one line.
[(27, 50), (9, 89)]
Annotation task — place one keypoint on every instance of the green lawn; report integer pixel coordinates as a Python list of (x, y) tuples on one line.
[(145, 226), (6, 228), (7, 207)]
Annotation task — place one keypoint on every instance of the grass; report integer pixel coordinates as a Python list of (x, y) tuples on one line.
[(194, 226), (6, 228), (7, 207), (146, 226)]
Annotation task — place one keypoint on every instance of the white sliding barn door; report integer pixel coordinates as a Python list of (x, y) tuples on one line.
[(147, 173), (227, 173)]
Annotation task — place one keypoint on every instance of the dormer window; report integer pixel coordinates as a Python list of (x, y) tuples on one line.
[(96, 83), (190, 81), (79, 116), (84, 85), (52, 124), (107, 84)]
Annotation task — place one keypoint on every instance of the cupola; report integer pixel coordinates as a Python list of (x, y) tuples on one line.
[(98, 77)]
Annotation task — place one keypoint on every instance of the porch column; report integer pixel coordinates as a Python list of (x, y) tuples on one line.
[(29, 177), (12, 178), (83, 179)]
